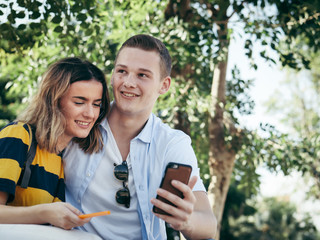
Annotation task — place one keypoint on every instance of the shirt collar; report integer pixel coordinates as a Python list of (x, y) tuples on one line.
[(146, 133)]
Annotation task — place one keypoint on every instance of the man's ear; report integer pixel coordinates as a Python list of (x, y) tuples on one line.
[(165, 85)]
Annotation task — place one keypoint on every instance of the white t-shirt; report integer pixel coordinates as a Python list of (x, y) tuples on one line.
[(122, 223)]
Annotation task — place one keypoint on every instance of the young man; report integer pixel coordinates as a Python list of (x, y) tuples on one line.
[(125, 177)]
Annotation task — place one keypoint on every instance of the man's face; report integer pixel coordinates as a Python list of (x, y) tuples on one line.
[(137, 82)]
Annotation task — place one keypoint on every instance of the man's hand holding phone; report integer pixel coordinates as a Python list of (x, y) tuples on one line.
[(175, 209)]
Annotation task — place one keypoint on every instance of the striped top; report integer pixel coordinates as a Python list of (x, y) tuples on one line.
[(46, 183)]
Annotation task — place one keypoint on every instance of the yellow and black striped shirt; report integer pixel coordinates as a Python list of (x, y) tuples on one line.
[(46, 183)]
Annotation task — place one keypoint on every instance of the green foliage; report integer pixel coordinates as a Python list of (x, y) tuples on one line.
[(274, 219), (7, 111), (299, 112), (94, 30), (28, 23), (77, 28), (270, 21), (237, 94)]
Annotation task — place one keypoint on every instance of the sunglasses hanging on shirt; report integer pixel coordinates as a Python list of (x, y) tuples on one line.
[(121, 172)]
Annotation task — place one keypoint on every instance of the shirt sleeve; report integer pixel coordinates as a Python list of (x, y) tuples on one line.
[(14, 143), (180, 150)]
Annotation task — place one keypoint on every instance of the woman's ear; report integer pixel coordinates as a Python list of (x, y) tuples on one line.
[(165, 85)]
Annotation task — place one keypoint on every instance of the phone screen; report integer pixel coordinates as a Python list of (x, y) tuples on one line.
[(174, 171)]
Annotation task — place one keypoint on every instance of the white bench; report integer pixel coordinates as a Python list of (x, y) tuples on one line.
[(41, 232)]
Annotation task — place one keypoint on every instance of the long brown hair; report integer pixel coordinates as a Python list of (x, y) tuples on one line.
[(44, 113)]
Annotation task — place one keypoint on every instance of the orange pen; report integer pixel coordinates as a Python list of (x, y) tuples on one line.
[(96, 214)]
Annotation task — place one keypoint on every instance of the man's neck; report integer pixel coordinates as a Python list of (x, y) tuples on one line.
[(124, 128)]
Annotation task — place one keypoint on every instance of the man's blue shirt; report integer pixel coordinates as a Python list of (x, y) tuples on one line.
[(150, 152)]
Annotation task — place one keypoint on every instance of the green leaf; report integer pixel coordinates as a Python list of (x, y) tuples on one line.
[(57, 19), (35, 15), (22, 27), (58, 29), (38, 33), (11, 18), (21, 14), (35, 25), (4, 27), (21, 3), (71, 28), (81, 17), (89, 31)]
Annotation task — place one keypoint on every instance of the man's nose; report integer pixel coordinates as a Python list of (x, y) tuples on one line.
[(130, 81)]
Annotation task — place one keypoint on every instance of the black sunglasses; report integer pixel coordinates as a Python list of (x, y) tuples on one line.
[(121, 172)]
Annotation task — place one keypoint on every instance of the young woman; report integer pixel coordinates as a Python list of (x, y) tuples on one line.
[(71, 102)]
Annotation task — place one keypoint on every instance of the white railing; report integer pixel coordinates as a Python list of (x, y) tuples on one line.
[(42, 232)]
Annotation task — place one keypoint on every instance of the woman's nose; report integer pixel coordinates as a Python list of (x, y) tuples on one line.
[(89, 111)]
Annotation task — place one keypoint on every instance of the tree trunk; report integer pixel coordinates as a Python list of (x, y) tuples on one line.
[(221, 158)]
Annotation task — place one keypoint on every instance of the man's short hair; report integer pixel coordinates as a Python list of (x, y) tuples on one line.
[(149, 43)]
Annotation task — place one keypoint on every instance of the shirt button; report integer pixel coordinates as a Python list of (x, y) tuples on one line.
[(78, 200), (141, 187), (88, 174)]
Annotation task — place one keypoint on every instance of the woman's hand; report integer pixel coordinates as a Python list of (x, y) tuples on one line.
[(61, 214)]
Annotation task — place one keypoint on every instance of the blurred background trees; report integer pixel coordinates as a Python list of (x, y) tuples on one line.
[(267, 218), (202, 101)]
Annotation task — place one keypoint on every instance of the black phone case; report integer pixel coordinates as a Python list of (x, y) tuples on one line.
[(174, 171)]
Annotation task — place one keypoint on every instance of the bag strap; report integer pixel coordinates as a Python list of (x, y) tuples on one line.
[(30, 156)]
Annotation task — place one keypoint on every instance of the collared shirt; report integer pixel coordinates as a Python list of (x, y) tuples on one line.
[(150, 152), (102, 189)]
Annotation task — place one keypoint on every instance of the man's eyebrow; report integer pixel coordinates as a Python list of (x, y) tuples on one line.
[(140, 69), (121, 65), (145, 70)]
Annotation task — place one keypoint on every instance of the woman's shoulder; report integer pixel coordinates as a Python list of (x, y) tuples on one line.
[(16, 125), (15, 130)]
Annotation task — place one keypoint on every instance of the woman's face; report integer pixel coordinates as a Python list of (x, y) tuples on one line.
[(81, 107)]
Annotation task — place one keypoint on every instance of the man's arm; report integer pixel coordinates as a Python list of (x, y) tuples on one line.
[(193, 215)]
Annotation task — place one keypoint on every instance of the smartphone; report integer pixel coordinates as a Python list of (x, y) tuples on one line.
[(174, 171)]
